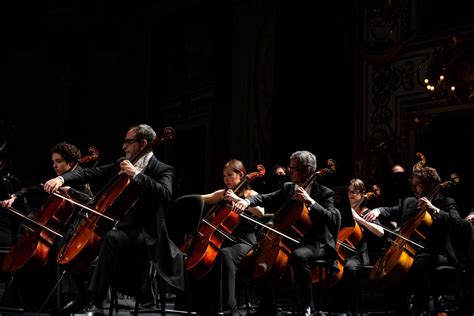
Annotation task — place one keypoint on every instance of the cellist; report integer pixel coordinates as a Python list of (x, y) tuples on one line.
[(31, 287), (355, 193), (318, 243), (354, 243), (143, 225), (437, 249), (218, 285)]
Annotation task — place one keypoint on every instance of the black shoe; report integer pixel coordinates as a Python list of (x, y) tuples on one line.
[(92, 310), (73, 306)]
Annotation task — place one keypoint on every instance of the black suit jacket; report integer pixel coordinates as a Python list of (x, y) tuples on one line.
[(439, 240), (154, 185), (324, 215)]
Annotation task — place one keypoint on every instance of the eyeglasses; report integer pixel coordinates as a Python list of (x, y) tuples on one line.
[(130, 141), (353, 191)]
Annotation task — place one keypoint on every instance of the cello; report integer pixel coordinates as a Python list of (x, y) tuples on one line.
[(347, 240), (216, 226), (397, 260), (31, 251), (106, 209), (269, 257)]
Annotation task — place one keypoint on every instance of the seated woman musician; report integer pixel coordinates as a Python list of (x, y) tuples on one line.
[(355, 193), (219, 284), (353, 240)]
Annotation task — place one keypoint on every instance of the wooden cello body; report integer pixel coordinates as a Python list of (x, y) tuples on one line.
[(217, 225), (31, 250), (347, 240), (267, 261), (397, 260), (207, 243), (272, 252), (42, 229), (395, 263), (82, 249)]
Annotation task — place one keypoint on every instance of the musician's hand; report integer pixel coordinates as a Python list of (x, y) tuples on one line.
[(9, 202), (425, 204), (356, 216), (53, 184), (127, 168), (240, 206), (470, 217), (303, 196), (372, 215), (231, 196)]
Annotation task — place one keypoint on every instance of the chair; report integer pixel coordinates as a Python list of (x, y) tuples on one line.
[(456, 279), (183, 220), (184, 217), (135, 281)]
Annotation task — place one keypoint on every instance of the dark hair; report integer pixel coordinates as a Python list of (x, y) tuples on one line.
[(238, 167), (69, 152), (285, 169), (358, 184), (428, 175)]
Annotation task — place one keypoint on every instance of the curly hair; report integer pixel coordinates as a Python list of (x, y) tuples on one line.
[(69, 152), (427, 174)]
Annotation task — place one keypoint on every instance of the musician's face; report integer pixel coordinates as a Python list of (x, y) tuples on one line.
[(132, 145), (60, 165), (231, 178), (418, 187), (297, 174), (353, 194)]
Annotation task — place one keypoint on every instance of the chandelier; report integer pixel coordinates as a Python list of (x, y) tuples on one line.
[(451, 73)]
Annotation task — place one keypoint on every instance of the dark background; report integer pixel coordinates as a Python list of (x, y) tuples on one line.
[(84, 71)]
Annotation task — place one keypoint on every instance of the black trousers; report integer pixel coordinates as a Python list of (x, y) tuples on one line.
[(117, 248), (302, 261)]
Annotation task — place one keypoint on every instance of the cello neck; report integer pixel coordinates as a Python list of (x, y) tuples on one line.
[(433, 192), (238, 191), (309, 182)]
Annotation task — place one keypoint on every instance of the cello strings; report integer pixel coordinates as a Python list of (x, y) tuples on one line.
[(226, 235), (83, 206), (268, 227), (33, 221)]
